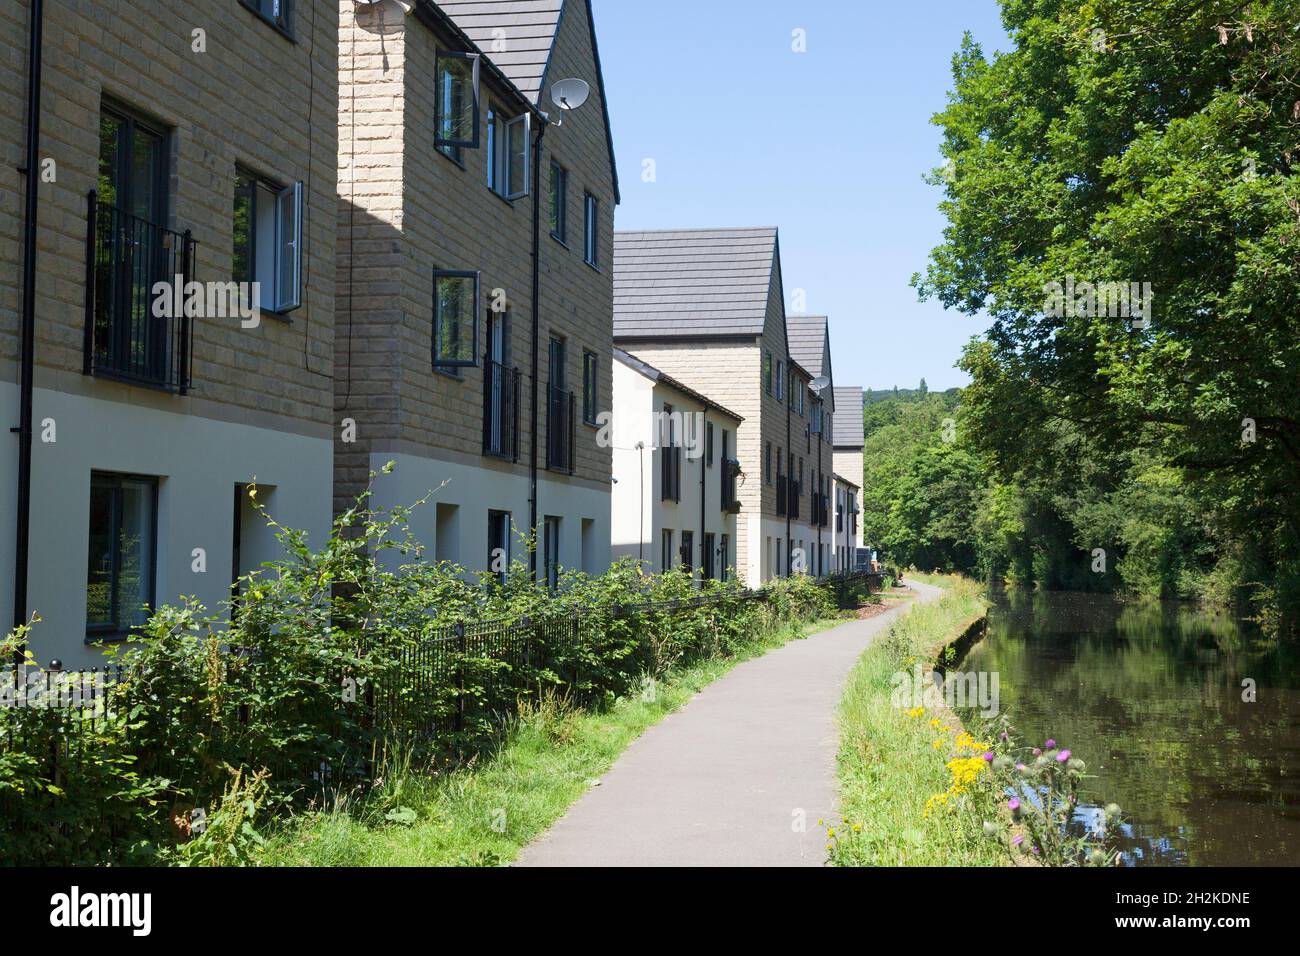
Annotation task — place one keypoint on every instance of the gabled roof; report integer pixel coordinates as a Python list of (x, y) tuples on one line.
[(529, 29), (807, 335), (847, 426), (658, 377), (692, 282)]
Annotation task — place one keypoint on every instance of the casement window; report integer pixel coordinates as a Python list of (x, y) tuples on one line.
[(767, 372), (709, 567), (456, 98), (551, 551), (123, 530), (688, 550), (268, 240), (780, 381), (591, 224), (499, 545), (509, 141), (724, 557), (589, 381), (767, 463), (666, 549), (274, 12), (670, 458), (802, 393), (455, 319), (559, 207), (708, 444)]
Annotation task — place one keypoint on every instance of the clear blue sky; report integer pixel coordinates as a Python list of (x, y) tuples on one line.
[(829, 145)]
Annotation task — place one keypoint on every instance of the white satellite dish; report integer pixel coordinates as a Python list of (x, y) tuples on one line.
[(819, 383), (569, 95)]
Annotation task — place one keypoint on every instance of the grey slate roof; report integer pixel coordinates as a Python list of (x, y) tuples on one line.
[(529, 26), (807, 336), (688, 282), (652, 373), (847, 425)]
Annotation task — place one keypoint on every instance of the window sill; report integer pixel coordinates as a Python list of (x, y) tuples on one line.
[(110, 637), (459, 164), (455, 374), (283, 31), (593, 267), (559, 240), (508, 202)]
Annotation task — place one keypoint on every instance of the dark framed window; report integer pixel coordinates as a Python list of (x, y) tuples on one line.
[(132, 164), (551, 551), (455, 319), (708, 444), (456, 120), (268, 239), (687, 552), (123, 546), (724, 557), (666, 549), (767, 372), (767, 463), (590, 367), (559, 207), (780, 381), (709, 568), (274, 12), (499, 544), (591, 223), (509, 142)]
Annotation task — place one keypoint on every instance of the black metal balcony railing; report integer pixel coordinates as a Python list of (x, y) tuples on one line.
[(820, 510), (126, 337), (793, 493), (561, 429), (730, 503), (500, 411)]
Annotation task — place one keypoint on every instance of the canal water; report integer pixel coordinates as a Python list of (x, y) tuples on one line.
[(1149, 695)]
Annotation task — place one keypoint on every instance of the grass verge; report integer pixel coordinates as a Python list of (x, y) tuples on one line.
[(901, 770), (484, 814)]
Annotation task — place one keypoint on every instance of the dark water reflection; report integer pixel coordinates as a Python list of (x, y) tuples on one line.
[(1150, 695)]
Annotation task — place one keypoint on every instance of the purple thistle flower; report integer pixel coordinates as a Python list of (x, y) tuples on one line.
[(1018, 839), (1013, 804), (1063, 756), (1036, 752), (1004, 736), (1037, 851), (1050, 745), (988, 756), (1020, 766)]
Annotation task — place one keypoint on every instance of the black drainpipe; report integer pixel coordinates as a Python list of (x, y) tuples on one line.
[(536, 307), (27, 360)]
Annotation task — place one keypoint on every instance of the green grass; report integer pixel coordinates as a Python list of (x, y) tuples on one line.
[(945, 581), (888, 765), (484, 814)]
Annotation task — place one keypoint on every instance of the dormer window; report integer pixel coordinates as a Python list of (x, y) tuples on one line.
[(456, 98)]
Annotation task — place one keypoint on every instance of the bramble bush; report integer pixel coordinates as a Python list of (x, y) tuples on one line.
[(324, 660)]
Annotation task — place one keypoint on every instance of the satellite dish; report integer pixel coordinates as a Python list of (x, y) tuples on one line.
[(570, 94), (819, 383)]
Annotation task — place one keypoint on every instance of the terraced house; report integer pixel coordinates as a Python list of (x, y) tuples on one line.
[(167, 225), (475, 276), (811, 408), (847, 435), (675, 473), (707, 308)]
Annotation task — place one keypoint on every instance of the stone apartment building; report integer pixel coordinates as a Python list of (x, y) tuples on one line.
[(844, 524), (812, 413), (707, 307), (849, 442), (475, 279), (675, 473), (197, 143)]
